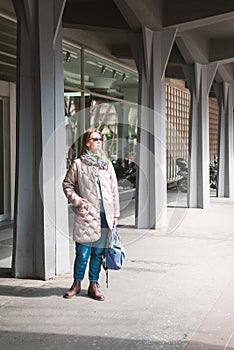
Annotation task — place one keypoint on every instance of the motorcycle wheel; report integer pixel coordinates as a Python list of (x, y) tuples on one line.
[(182, 185)]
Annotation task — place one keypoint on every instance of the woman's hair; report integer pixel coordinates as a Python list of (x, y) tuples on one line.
[(86, 137)]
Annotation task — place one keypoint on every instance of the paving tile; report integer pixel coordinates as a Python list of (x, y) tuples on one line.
[(216, 332), (230, 345)]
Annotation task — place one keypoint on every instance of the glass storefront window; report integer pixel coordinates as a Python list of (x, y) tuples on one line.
[(1, 160), (109, 79), (75, 103), (8, 33), (118, 123), (107, 100), (72, 66), (71, 108)]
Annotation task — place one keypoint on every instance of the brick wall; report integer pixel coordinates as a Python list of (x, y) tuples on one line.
[(177, 113)]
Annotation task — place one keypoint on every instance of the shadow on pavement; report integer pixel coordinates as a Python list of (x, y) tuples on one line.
[(24, 340), (5, 272), (30, 292)]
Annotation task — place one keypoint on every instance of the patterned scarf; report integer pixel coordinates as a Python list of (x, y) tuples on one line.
[(90, 158)]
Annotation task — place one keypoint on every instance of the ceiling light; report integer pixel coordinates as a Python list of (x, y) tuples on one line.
[(103, 69), (67, 57)]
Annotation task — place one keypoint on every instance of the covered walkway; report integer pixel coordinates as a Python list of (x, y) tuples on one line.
[(156, 40)]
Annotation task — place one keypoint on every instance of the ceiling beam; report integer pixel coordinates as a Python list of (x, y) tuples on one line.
[(141, 13), (184, 11), (221, 49), (193, 48), (225, 72)]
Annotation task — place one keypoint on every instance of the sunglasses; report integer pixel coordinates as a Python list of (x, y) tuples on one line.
[(96, 139)]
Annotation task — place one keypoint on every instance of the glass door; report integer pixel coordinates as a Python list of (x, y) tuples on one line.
[(1, 162), (4, 160)]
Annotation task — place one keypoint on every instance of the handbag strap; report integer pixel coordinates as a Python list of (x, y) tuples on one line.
[(114, 230), (107, 279), (106, 271), (114, 237)]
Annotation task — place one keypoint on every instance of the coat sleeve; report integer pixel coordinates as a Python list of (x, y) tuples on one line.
[(70, 184), (114, 189)]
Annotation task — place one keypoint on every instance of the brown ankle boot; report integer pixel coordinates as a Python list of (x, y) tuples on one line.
[(75, 289), (94, 292)]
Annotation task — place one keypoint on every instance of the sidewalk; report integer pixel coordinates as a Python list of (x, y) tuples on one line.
[(176, 291)]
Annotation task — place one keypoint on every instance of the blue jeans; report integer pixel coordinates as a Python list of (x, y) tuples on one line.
[(93, 251)]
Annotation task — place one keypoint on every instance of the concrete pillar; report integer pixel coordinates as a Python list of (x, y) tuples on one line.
[(151, 50), (199, 78), (41, 242), (225, 95)]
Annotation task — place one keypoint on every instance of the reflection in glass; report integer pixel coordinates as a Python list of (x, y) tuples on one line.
[(110, 79), (71, 66), (108, 102), (118, 123)]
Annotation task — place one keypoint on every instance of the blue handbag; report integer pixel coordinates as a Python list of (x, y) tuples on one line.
[(114, 254)]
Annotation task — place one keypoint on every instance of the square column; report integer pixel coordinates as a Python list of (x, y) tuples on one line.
[(151, 51), (199, 78), (225, 95), (41, 236)]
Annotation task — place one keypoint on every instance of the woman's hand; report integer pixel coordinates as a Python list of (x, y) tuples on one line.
[(80, 201), (115, 221)]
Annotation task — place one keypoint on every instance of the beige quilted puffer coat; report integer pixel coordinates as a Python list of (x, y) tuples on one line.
[(80, 182)]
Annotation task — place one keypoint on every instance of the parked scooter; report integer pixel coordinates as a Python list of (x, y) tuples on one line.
[(131, 173), (125, 176), (182, 183), (214, 173)]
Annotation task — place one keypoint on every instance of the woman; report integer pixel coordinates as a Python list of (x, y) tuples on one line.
[(91, 187)]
